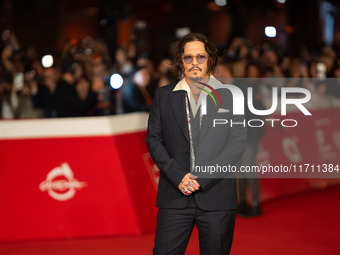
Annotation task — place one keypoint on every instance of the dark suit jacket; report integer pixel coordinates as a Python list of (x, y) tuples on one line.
[(169, 146)]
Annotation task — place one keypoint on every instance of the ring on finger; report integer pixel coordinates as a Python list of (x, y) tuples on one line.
[(185, 190), (191, 183)]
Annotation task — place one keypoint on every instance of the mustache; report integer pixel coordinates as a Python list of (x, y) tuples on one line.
[(195, 67)]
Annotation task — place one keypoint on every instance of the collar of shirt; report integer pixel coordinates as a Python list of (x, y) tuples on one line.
[(183, 85)]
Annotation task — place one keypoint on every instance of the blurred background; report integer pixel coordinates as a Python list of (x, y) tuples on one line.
[(93, 40), (104, 60)]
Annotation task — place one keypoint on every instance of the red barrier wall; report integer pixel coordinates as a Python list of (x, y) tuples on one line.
[(76, 185), (93, 176), (314, 141)]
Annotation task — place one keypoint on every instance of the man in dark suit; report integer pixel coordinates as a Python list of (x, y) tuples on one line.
[(181, 138)]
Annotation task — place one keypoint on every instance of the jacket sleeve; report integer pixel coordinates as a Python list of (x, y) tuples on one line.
[(155, 143)]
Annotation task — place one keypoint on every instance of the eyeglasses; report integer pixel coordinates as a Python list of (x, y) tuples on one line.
[(189, 58)]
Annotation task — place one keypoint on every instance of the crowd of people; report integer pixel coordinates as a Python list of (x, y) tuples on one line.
[(78, 83)]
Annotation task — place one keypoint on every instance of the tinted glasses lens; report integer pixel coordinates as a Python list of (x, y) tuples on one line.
[(187, 59), (200, 59)]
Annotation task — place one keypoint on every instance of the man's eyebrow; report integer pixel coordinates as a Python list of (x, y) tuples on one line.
[(194, 54)]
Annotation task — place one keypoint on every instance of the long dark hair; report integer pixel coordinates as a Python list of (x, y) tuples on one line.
[(208, 45)]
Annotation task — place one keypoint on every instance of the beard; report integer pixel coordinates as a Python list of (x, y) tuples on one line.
[(196, 74), (196, 79)]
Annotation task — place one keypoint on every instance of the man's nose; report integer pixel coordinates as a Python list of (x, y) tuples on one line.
[(194, 61)]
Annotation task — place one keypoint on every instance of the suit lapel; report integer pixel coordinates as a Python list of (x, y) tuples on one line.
[(177, 99), (207, 120)]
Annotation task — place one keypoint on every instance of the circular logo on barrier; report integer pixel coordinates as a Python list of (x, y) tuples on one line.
[(60, 183)]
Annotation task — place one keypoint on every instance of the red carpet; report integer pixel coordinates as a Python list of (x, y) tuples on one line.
[(304, 224), (297, 225)]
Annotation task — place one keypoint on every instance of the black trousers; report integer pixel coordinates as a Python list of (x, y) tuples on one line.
[(174, 227)]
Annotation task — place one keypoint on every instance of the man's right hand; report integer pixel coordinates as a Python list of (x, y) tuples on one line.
[(189, 184)]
